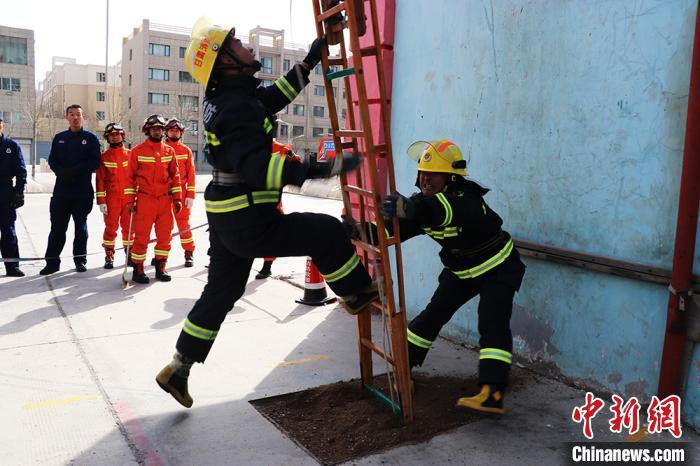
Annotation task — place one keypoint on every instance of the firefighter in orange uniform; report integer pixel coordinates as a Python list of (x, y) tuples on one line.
[(278, 149), (111, 181), (174, 130), (153, 191)]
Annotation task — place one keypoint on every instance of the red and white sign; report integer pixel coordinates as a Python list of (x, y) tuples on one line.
[(326, 149)]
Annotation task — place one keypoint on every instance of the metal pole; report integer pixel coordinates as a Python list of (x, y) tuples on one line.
[(107, 65), (670, 377)]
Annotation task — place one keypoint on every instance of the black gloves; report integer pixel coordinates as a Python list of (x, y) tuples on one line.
[(314, 55), (351, 227), (398, 206), (340, 164), (18, 201)]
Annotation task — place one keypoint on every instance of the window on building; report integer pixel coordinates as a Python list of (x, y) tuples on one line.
[(11, 118), (266, 65), (129, 102), (13, 50), (159, 49), (195, 156), (335, 92), (266, 83), (10, 84), (129, 80), (100, 115), (156, 74), (319, 111), (317, 69), (193, 126), (317, 132), (297, 131), (100, 96), (185, 77), (284, 130), (298, 110), (344, 114), (319, 90), (330, 131), (131, 54), (285, 65), (101, 77), (343, 93), (158, 99), (182, 52), (188, 101)]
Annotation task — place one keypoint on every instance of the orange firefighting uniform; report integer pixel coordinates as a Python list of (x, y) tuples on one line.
[(185, 165), (111, 181), (154, 183), (282, 149)]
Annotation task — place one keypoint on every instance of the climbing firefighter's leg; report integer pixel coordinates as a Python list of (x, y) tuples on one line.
[(228, 274), (322, 237), (146, 209), (164, 236), (496, 340), (451, 293)]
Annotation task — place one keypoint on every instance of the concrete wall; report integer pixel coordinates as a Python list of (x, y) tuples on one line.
[(574, 114)]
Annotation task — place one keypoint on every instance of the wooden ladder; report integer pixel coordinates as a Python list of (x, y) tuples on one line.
[(359, 139)]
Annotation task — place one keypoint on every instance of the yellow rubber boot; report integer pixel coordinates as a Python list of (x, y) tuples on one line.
[(173, 379), (486, 401)]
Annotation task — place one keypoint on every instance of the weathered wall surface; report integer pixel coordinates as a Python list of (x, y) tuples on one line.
[(573, 113)]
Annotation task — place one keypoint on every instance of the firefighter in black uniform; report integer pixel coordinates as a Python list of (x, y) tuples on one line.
[(241, 201), (479, 259)]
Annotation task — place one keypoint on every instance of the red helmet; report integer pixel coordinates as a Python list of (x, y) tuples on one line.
[(153, 121), (174, 123), (114, 128)]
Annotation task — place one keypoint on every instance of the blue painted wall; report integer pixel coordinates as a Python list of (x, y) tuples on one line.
[(573, 113)]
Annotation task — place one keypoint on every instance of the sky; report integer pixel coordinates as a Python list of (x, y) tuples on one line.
[(77, 29)]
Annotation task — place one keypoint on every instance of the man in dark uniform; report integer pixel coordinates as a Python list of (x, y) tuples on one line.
[(479, 259), (11, 198), (75, 155), (241, 201)]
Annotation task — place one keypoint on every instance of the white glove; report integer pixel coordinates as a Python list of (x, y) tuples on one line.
[(189, 202), (103, 209)]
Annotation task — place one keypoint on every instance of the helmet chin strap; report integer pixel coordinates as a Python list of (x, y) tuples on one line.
[(173, 139), (152, 139), (240, 64), (114, 145)]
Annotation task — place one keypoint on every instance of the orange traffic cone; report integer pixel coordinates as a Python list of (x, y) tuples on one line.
[(314, 287)]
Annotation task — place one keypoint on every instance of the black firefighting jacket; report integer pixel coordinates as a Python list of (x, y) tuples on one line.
[(239, 126), (463, 224)]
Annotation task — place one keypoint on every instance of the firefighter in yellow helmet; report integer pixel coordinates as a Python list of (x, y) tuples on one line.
[(241, 200), (478, 258)]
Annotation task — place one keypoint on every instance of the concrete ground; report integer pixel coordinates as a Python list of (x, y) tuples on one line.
[(78, 357)]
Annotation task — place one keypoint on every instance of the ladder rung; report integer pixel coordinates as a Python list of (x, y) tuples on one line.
[(367, 247), (350, 133), (340, 73), (380, 148), (370, 344), (347, 145), (368, 51), (330, 12), (354, 189), (336, 62)]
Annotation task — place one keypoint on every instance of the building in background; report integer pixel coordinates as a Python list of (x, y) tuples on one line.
[(17, 86), (155, 80), (71, 83)]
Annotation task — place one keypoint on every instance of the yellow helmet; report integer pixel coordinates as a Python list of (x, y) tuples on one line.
[(205, 45), (441, 156)]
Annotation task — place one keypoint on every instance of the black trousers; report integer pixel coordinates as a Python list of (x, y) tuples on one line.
[(232, 251), (61, 210), (496, 290), (8, 236)]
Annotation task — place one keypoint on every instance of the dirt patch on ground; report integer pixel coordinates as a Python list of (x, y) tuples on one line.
[(341, 422)]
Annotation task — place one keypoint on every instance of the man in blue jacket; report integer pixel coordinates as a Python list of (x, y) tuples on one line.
[(11, 198), (75, 154)]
